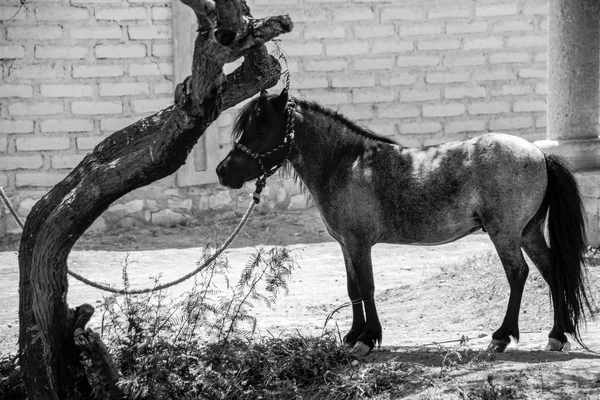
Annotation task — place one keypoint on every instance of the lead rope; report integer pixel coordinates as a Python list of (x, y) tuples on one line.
[(207, 262)]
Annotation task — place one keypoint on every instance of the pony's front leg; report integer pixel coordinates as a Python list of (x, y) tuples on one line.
[(358, 317), (360, 257)]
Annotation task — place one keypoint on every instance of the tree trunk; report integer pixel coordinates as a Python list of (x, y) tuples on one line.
[(138, 155)]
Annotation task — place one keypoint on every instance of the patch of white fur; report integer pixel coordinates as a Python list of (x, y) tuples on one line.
[(360, 350), (555, 345), (360, 171)]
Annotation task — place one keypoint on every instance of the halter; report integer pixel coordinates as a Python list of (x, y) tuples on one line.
[(287, 141)]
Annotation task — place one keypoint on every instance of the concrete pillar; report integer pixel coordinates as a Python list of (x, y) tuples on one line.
[(574, 97), (573, 69), (574, 82)]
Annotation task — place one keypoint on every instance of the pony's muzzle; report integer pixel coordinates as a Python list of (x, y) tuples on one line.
[(226, 178), (222, 173)]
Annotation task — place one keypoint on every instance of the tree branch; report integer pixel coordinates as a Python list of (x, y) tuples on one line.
[(229, 20)]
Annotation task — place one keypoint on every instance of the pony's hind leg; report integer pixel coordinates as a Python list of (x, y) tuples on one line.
[(536, 248), (508, 247)]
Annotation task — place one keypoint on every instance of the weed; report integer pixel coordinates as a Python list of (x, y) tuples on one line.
[(491, 391), (167, 348)]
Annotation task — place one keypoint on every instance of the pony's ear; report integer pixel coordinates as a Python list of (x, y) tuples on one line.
[(263, 101), (280, 101)]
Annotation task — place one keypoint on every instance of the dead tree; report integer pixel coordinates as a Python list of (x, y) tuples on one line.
[(135, 156)]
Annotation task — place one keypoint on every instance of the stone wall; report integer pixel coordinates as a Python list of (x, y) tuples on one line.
[(74, 71)]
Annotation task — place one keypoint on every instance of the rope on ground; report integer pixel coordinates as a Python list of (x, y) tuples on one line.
[(206, 263)]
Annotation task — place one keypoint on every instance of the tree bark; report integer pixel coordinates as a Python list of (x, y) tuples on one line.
[(135, 156)]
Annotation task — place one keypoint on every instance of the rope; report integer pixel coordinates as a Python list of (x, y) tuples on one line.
[(10, 208), (281, 55), (207, 262)]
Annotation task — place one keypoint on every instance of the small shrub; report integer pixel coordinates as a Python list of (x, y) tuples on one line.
[(187, 348), (491, 391), (12, 386)]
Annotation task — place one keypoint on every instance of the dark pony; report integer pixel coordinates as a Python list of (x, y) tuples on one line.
[(371, 190)]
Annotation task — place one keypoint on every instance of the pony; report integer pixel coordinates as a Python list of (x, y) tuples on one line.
[(369, 189)]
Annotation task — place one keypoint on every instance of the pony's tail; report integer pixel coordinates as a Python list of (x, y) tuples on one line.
[(566, 226)]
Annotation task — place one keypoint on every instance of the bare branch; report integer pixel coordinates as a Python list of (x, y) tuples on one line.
[(210, 56), (205, 7), (229, 20), (262, 31), (259, 70)]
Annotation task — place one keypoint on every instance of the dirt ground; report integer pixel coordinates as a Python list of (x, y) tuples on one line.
[(429, 300)]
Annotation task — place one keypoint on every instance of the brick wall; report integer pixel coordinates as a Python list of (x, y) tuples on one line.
[(72, 72), (424, 72)]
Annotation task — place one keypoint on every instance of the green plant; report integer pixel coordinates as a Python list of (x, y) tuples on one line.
[(167, 348), (265, 274)]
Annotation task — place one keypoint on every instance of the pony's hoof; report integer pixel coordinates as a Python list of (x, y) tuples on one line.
[(360, 350), (350, 338), (497, 346), (556, 345)]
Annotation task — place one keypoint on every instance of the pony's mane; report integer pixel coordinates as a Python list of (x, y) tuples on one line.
[(244, 121), (342, 119)]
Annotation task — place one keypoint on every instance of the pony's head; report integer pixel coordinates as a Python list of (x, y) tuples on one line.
[(261, 141)]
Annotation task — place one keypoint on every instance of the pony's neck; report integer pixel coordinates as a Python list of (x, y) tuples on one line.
[(321, 142)]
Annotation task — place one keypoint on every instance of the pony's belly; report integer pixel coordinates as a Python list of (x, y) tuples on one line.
[(434, 237)]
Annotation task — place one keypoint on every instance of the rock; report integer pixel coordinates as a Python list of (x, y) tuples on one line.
[(26, 206), (127, 208), (127, 222), (281, 195), (180, 204), (167, 218), (198, 191), (297, 202), (99, 225), (152, 205), (202, 203), (172, 192), (291, 187), (11, 224), (219, 200)]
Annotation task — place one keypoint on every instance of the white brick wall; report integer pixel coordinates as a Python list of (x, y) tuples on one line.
[(468, 67), (74, 71), (70, 67)]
